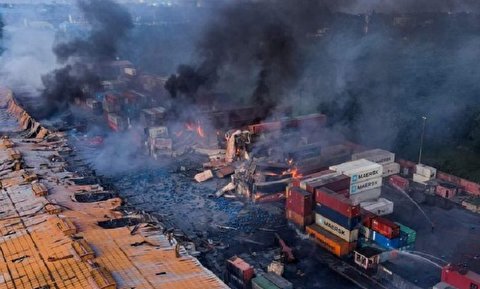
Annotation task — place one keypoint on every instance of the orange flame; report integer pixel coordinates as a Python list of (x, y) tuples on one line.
[(295, 173), (200, 131)]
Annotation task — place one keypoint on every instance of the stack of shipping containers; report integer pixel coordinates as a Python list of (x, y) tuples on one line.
[(239, 273), (365, 179)]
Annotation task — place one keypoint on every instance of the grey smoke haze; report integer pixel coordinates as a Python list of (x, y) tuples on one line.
[(109, 23)]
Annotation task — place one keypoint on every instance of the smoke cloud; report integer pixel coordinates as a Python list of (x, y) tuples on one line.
[(109, 24)]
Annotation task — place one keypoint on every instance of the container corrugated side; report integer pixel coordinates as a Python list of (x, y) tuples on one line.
[(346, 222), (366, 185), (278, 281), (336, 229), (359, 170), (391, 169), (378, 156), (260, 282), (386, 227), (467, 280), (329, 241), (385, 242), (336, 202), (369, 195), (299, 201), (382, 207), (411, 234)]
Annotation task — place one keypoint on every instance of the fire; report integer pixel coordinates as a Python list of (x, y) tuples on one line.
[(200, 131), (195, 128), (295, 173)]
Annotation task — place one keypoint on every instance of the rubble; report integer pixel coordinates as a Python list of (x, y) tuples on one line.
[(203, 176)]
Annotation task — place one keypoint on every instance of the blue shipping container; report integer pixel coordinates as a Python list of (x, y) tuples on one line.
[(385, 242), (344, 221)]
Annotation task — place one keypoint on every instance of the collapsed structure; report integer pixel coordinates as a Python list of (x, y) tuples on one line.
[(61, 231)]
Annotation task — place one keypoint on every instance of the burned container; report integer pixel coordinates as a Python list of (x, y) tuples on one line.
[(390, 169), (300, 182), (336, 202), (335, 183), (299, 201), (342, 220), (380, 207), (386, 227), (330, 242), (298, 220)]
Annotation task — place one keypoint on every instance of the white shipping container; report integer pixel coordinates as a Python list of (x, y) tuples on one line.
[(426, 171), (381, 207), (359, 170), (378, 156), (336, 229), (366, 185), (420, 179), (391, 169), (369, 195)]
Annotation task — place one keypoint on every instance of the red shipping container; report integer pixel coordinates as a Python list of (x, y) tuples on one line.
[(385, 227), (336, 202), (296, 182), (345, 193), (298, 219), (299, 201), (335, 184), (398, 181), (240, 269), (446, 191), (367, 218), (460, 279)]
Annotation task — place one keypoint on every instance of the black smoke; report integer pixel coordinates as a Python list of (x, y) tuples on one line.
[(262, 42), (109, 24)]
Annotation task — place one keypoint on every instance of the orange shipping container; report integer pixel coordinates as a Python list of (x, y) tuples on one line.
[(330, 242)]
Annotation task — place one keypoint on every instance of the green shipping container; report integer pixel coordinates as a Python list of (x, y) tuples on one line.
[(261, 282), (411, 234)]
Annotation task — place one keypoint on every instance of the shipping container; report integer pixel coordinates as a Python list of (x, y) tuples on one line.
[(345, 193), (359, 170), (299, 220), (420, 179), (385, 227), (336, 229), (385, 242), (336, 183), (369, 195), (329, 241), (398, 181), (306, 178), (342, 220), (460, 277), (391, 169), (381, 207), (426, 171), (278, 281), (410, 233), (299, 201), (153, 116), (327, 178), (240, 269), (378, 156), (260, 282), (365, 232), (365, 185), (116, 122), (336, 202), (446, 190)]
